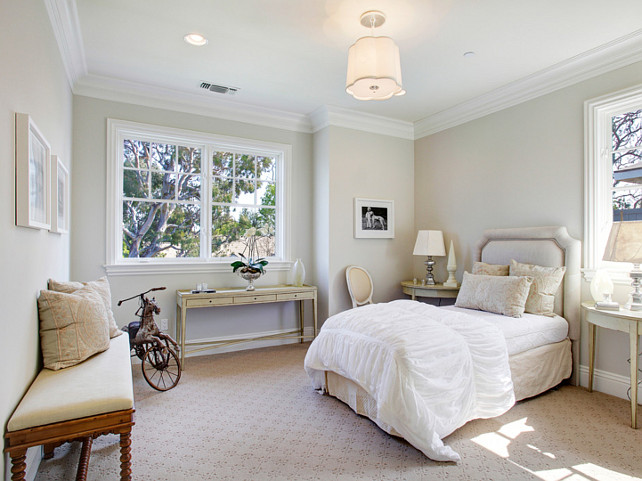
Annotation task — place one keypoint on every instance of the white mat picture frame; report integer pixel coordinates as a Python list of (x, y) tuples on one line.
[(374, 219), (59, 196), (33, 175)]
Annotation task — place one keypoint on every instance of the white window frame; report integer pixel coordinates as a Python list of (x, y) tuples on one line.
[(119, 130), (598, 179)]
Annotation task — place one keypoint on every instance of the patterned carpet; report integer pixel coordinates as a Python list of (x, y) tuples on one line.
[(252, 415)]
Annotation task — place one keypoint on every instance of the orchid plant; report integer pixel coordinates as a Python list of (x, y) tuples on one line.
[(251, 262)]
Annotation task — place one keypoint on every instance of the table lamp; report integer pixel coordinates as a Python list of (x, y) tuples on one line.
[(625, 245), (429, 243)]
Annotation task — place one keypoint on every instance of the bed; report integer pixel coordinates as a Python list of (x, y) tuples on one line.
[(488, 367)]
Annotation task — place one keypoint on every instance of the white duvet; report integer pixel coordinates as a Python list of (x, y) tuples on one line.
[(430, 370)]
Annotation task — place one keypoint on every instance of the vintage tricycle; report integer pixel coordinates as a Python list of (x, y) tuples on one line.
[(156, 350)]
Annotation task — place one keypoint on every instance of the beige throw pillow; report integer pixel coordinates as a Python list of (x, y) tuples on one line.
[(101, 287), (499, 294), (73, 327), (484, 269), (546, 281)]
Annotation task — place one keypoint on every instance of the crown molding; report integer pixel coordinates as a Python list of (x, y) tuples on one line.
[(63, 16), (605, 58), (329, 115), (118, 90)]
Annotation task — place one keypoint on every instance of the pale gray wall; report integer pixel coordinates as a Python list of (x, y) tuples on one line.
[(371, 166), (33, 81), (89, 239), (522, 166), (321, 216)]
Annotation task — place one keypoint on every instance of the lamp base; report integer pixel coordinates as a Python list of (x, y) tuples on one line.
[(636, 295), (430, 279)]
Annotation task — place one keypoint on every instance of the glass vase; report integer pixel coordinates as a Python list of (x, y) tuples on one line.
[(298, 273)]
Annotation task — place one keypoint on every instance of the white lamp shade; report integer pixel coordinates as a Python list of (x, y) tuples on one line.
[(374, 69), (625, 242), (429, 243)]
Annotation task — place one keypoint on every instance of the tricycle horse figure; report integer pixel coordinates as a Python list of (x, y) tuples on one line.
[(156, 350)]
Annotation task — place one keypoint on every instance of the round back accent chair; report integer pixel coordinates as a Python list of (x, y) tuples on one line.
[(360, 285)]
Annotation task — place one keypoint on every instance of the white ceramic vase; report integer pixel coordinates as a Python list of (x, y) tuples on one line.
[(298, 273)]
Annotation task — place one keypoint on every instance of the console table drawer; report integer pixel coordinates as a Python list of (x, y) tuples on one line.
[(216, 301), (294, 296), (254, 299)]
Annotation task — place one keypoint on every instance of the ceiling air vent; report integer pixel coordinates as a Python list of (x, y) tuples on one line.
[(219, 89)]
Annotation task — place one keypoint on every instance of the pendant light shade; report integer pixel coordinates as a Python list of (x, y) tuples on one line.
[(374, 68)]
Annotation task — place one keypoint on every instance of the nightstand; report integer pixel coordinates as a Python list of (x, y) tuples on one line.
[(438, 291), (625, 321)]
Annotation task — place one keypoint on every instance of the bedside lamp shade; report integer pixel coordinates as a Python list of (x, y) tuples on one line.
[(429, 243), (625, 245)]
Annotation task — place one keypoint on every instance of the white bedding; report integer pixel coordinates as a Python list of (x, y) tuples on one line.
[(523, 333), (430, 370)]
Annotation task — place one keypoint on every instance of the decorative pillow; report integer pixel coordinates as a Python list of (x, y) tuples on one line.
[(481, 268), (499, 294), (100, 287), (546, 281), (73, 327)]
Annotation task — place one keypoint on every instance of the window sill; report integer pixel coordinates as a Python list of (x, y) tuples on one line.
[(142, 268)]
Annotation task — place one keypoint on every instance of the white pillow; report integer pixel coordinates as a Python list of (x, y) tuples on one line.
[(499, 294), (484, 269), (546, 281)]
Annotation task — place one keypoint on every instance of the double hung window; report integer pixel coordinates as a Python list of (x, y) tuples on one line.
[(183, 198), (613, 171)]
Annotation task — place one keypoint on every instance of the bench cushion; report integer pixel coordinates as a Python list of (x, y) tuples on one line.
[(101, 384)]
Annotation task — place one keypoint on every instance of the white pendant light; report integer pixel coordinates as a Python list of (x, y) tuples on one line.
[(374, 68)]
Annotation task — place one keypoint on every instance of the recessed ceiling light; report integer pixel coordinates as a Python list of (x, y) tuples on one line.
[(469, 54), (195, 39)]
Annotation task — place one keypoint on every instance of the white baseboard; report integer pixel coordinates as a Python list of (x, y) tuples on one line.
[(609, 383), (34, 456)]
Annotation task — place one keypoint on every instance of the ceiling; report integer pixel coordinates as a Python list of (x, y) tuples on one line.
[(290, 56)]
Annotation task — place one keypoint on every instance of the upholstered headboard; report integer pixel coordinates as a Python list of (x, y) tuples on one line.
[(545, 246)]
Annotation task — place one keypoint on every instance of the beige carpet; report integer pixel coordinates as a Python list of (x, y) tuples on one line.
[(252, 415)]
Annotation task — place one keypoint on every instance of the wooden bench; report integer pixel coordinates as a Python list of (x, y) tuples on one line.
[(78, 403)]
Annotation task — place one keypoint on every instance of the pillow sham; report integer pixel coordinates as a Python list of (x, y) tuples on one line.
[(499, 294), (100, 287), (73, 327), (546, 281), (484, 269)]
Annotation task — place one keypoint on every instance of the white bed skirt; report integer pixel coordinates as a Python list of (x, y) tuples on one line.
[(533, 372)]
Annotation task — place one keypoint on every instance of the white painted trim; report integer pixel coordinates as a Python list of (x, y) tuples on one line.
[(609, 383), (613, 55), (118, 130), (199, 103), (63, 16), (598, 176), (142, 268), (307, 331), (328, 115)]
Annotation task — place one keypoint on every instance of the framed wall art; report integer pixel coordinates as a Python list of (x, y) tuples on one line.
[(374, 219), (59, 196), (33, 175)]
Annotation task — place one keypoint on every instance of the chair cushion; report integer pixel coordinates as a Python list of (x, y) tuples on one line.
[(101, 384)]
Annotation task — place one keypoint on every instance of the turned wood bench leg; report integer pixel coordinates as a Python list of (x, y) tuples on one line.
[(18, 464), (125, 456), (83, 462), (49, 450)]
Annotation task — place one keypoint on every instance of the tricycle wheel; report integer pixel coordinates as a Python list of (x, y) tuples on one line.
[(161, 368)]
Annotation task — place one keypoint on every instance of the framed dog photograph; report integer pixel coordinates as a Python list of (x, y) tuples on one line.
[(374, 219)]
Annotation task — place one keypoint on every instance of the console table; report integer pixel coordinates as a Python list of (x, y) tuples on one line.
[(238, 297)]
